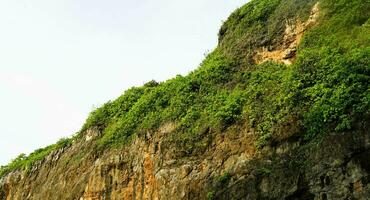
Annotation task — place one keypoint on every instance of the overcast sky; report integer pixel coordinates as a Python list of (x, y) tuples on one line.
[(59, 58)]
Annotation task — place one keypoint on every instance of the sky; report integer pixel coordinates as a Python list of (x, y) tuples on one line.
[(61, 58)]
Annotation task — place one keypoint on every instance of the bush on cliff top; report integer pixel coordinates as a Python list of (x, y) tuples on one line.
[(325, 90)]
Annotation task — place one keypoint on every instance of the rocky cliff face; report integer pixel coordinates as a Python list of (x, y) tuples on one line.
[(264, 142), (229, 168), (148, 168)]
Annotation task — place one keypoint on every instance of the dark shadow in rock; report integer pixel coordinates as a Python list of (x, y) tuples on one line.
[(363, 160), (302, 193)]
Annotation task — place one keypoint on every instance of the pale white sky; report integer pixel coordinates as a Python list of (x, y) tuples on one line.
[(59, 58)]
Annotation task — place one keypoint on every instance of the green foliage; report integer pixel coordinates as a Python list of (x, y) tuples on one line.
[(23, 162), (196, 102), (100, 117), (219, 184), (269, 102), (326, 90), (224, 178), (333, 69), (211, 195), (336, 88), (265, 170)]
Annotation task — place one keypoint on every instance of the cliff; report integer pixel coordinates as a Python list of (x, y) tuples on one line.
[(279, 110)]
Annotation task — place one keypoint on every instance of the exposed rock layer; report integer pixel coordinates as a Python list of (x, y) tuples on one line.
[(285, 52), (337, 168)]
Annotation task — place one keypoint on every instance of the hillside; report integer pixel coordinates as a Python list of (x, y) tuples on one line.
[(279, 110)]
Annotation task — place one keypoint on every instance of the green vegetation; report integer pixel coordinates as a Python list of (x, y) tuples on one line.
[(220, 184), (225, 178), (195, 103), (325, 91), (25, 162), (333, 69), (265, 170), (211, 195)]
